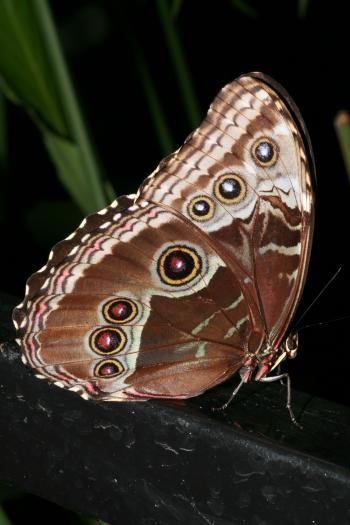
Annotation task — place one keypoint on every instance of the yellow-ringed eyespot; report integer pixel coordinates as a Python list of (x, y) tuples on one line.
[(119, 310), (230, 188), (107, 340), (264, 152), (108, 368), (201, 208), (179, 265)]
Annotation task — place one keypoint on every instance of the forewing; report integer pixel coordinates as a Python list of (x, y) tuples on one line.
[(248, 166)]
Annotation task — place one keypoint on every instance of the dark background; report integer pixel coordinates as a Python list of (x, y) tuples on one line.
[(307, 55)]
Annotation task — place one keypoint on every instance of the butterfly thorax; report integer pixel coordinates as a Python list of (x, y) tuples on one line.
[(258, 365)]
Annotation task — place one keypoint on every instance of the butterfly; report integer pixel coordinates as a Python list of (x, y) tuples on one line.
[(170, 291)]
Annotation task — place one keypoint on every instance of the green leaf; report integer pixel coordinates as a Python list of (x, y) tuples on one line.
[(90, 168), (149, 89), (109, 191), (35, 75), (303, 6), (4, 520), (175, 8), (3, 133), (24, 63), (244, 7), (67, 158), (92, 521), (342, 127), (180, 65), (163, 132)]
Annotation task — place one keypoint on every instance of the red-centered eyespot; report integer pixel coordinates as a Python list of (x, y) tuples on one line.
[(120, 310), (107, 341), (108, 368), (179, 265)]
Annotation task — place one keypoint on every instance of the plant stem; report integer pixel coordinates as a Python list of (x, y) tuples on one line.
[(180, 65), (342, 127), (303, 7), (3, 132), (160, 124)]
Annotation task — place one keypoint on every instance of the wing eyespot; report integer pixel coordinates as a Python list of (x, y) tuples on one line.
[(201, 208), (264, 152), (120, 310), (108, 368), (179, 265), (230, 189), (108, 340)]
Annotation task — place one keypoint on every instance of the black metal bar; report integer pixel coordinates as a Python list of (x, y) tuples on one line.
[(168, 463)]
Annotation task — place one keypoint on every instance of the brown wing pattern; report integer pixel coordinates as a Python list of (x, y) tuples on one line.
[(164, 293), (67, 332), (263, 228)]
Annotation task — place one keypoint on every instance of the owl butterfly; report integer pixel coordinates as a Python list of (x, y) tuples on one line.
[(168, 292)]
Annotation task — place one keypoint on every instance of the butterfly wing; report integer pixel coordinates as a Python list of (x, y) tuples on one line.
[(135, 304), (245, 178), (164, 293)]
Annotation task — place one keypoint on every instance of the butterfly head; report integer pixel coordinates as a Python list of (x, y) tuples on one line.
[(258, 366), (288, 349), (291, 345)]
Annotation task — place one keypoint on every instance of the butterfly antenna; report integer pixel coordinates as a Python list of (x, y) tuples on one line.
[(328, 283), (320, 323)]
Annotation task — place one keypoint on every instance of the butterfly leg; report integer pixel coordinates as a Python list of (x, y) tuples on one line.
[(278, 372), (280, 378), (234, 393)]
